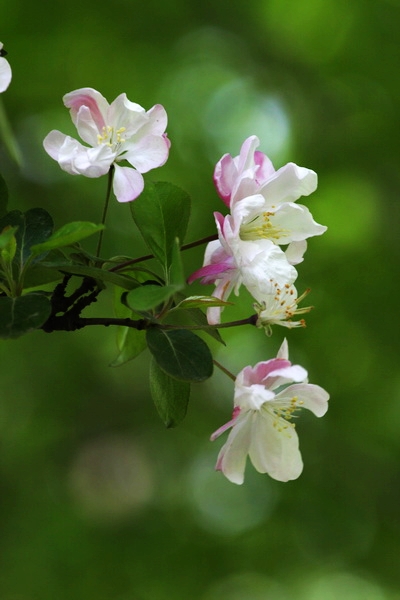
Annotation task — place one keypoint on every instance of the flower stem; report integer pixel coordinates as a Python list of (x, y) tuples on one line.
[(133, 261), (103, 219), (228, 373)]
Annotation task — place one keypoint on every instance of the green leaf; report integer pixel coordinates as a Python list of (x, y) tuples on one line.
[(6, 236), (170, 396), (127, 283), (199, 318), (34, 227), (162, 214), (67, 235), (131, 342), (176, 275), (150, 296), (37, 275), (180, 353), (200, 302), (3, 197), (23, 314)]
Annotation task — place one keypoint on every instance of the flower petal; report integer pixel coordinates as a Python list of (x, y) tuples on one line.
[(262, 263), (226, 426), (285, 375), (128, 184), (76, 159), (95, 103), (275, 451), (147, 153), (233, 454), (288, 184), (258, 373), (252, 398), (209, 273), (241, 176), (5, 74), (295, 252), (295, 222), (87, 127), (157, 120), (224, 174), (129, 115), (310, 396), (283, 351)]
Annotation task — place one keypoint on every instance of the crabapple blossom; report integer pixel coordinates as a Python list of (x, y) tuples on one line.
[(266, 399), (230, 262), (115, 132), (5, 70), (263, 200), (279, 308)]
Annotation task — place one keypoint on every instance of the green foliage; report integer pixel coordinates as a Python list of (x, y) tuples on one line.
[(66, 236), (32, 227), (147, 297), (130, 341), (170, 396), (23, 314), (162, 214), (180, 353), (95, 273), (200, 302)]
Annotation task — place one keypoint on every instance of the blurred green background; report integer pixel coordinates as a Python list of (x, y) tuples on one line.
[(97, 500)]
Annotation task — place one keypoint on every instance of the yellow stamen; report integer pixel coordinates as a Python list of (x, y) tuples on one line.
[(262, 227)]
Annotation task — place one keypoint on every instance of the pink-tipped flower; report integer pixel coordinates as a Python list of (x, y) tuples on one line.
[(243, 175), (120, 131), (5, 70), (267, 398), (264, 200)]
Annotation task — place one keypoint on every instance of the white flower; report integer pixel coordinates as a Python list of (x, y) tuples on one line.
[(230, 262), (280, 307), (115, 132), (5, 70), (265, 402), (262, 200)]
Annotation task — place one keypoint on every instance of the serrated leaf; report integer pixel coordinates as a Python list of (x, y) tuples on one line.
[(23, 314), (67, 235), (180, 353), (147, 297), (170, 396), (162, 214)]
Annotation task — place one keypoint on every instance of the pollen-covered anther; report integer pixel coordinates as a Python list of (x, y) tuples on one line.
[(120, 139)]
